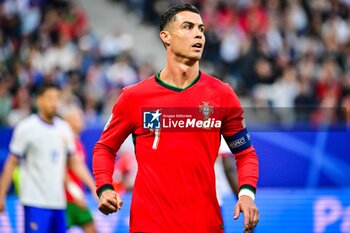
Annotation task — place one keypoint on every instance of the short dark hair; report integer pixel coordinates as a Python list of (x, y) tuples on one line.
[(169, 15), (46, 86)]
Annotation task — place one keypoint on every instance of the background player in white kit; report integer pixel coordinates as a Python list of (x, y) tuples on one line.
[(42, 144)]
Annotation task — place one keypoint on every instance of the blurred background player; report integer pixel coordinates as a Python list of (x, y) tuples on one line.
[(77, 211), (42, 144), (225, 172)]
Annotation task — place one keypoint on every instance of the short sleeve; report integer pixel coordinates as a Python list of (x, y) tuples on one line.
[(19, 141), (70, 144)]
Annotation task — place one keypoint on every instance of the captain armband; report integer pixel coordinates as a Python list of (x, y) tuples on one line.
[(239, 141)]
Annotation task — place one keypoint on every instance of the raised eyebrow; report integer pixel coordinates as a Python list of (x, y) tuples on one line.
[(192, 24), (188, 22)]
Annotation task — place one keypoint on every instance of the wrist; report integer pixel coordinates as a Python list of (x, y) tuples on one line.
[(246, 192), (103, 188)]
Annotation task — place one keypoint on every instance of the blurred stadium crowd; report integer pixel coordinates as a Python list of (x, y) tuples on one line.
[(51, 41), (275, 53)]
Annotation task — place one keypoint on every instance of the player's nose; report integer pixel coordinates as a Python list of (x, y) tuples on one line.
[(199, 34)]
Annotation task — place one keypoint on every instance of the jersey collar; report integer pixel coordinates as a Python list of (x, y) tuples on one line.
[(44, 121), (175, 88)]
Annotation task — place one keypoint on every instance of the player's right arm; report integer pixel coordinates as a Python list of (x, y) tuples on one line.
[(6, 178), (18, 146), (118, 127)]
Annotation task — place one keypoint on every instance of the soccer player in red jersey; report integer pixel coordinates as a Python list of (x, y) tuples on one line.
[(174, 189), (77, 212)]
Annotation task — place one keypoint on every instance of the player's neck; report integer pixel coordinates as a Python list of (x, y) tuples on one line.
[(45, 118), (180, 74)]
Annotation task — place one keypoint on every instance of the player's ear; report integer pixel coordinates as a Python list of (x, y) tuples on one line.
[(39, 101), (165, 37)]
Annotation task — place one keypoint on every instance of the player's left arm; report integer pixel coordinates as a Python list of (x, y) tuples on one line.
[(238, 139), (247, 170)]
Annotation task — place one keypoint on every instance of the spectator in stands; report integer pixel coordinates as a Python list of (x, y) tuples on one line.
[(249, 44)]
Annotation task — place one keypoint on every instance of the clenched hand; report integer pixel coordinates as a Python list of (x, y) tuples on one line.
[(109, 202)]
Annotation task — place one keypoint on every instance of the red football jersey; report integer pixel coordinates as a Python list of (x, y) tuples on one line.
[(174, 189)]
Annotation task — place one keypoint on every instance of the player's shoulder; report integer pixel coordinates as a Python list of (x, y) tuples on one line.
[(59, 122), (141, 86), (27, 122), (138, 90), (214, 82)]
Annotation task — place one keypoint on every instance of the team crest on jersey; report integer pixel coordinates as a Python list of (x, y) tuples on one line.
[(206, 110)]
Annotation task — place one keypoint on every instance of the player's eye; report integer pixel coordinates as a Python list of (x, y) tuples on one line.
[(187, 26), (201, 29)]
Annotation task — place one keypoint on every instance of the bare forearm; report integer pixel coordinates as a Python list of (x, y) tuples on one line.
[(81, 170), (6, 177), (230, 173)]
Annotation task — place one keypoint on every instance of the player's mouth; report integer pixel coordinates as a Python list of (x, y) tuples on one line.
[(197, 45)]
